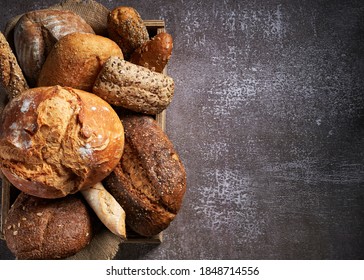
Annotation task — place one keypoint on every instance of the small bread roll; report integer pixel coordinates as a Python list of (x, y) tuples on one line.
[(134, 87), (35, 34), (76, 60), (56, 141), (127, 29), (38, 228), (150, 180), (155, 53)]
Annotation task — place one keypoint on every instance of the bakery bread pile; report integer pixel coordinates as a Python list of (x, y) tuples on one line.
[(78, 136)]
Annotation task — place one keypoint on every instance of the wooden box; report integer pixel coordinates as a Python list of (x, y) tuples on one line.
[(105, 244)]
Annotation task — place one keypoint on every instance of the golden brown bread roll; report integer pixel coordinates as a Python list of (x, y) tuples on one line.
[(55, 141), (76, 60), (155, 53), (134, 87), (150, 180), (38, 228), (127, 29), (11, 76), (36, 32)]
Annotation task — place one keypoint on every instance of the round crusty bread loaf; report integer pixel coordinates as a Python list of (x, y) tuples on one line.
[(38, 228), (150, 181), (55, 141), (76, 60), (36, 32)]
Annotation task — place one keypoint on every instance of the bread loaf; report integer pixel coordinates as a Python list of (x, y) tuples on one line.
[(38, 228), (150, 180), (11, 76), (127, 29), (76, 60), (155, 53), (55, 141), (133, 87), (35, 34)]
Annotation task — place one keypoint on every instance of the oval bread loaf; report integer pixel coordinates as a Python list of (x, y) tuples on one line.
[(150, 180), (35, 34), (133, 87), (38, 228), (155, 53), (127, 29)]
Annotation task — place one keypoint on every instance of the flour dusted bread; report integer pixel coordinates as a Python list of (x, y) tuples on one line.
[(38, 228), (134, 87), (57, 140), (36, 32), (150, 180), (76, 60)]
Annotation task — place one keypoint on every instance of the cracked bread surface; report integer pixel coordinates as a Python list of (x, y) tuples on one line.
[(55, 141)]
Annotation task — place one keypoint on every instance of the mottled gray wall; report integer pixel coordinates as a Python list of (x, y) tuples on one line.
[(268, 119)]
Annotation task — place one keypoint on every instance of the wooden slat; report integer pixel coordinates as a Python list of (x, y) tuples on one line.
[(5, 202)]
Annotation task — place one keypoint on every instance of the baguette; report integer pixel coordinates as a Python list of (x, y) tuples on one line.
[(109, 211), (133, 87)]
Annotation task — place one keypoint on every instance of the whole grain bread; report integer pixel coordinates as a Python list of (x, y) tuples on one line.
[(39, 228), (11, 75), (127, 29), (150, 180), (134, 87)]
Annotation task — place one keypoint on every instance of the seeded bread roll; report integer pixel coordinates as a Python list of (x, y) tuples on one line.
[(37, 228), (11, 76), (56, 141), (134, 87), (127, 29), (155, 53), (150, 180), (76, 60), (35, 34)]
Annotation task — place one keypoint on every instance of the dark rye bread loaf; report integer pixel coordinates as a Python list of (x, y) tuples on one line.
[(150, 180), (38, 228)]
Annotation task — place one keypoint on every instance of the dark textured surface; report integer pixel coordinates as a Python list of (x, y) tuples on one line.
[(268, 119)]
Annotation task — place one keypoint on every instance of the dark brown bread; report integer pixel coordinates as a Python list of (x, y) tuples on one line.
[(39, 228), (150, 180), (155, 53), (127, 29), (36, 32)]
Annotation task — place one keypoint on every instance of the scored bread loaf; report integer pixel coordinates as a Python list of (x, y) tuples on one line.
[(76, 60), (36, 32), (155, 53), (150, 180), (127, 29), (55, 141), (133, 87), (11, 75), (38, 228)]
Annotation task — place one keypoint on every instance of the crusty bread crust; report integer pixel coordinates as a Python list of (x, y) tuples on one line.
[(150, 180), (55, 141)]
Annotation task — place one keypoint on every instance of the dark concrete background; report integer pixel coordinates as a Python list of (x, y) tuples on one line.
[(268, 120)]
